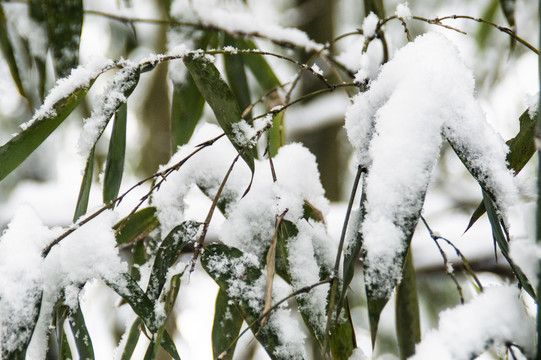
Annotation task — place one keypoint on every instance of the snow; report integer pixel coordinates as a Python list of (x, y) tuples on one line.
[(88, 253), (495, 317), (113, 96), (80, 78), (370, 24), (403, 11), (424, 92)]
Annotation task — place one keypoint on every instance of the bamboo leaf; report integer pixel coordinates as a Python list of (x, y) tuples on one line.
[(168, 345), (342, 338), (236, 75), (408, 327), (141, 304), (114, 165), (133, 338), (187, 108), (501, 239), (222, 263), (168, 254), (9, 55), (508, 9), (375, 6), (64, 20), (521, 150), (16, 150), (221, 99), (226, 326), (84, 191), (83, 342), (140, 223)]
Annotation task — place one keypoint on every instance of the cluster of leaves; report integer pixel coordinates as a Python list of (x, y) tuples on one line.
[(231, 101)]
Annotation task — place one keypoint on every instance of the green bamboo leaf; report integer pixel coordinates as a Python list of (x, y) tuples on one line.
[(141, 304), (84, 191), (521, 150), (375, 6), (236, 75), (114, 165), (508, 9), (138, 224), (502, 240), (222, 262), (151, 352), (342, 338), (187, 108), (226, 326), (221, 99), (168, 254), (133, 338), (83, 342), (9, 55), (60, 314), (168, 345), (64, 20), (484, 30), (408, 326), (16, 150)]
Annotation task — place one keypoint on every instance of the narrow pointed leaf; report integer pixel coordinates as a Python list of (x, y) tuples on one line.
[(139, 224), (508, 9), (221, 99), (133, 338), (168, 345), (222, 262), (187, 108), (64, 20), (375, 6), (226, 327), (503, 244), (168, 254), (9, 55), (342, 340), (521, 150), (141, 304), (83, 342), (16, 150), (84, 191), (114, 165), (408, 325), (236, 75)]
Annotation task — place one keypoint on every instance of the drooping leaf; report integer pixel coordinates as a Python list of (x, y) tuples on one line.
[(64, 20), (9, 55), (114, 165), (16, 150), (226, 326), (375, 6), (501, 239), (222, 262), (141, 304), (187, 108), (484, 30), (521, 150), (84, 191), (168, 254), (60, 314), (408, 327), (133, 338), (139, 224), (236, 75), (343, 340), (83, 342), (508, 9), (221, 99), (168, 345)]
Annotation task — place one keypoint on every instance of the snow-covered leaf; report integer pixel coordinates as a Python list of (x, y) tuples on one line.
[(167, 255), (114, 165), (83, 342), (221, 99), (226, 326), (16, 150)]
